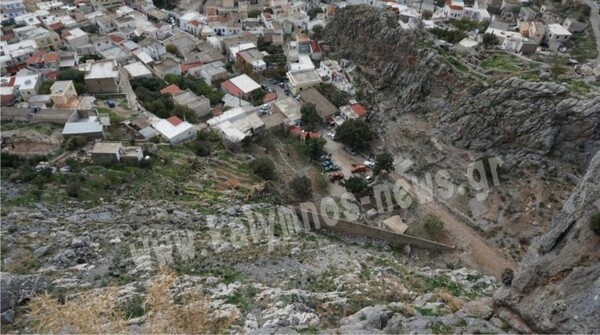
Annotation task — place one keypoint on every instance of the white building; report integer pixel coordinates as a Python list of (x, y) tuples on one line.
[(175, 130), (192, 22), (237, 123), (302, 80), (137, 70), (555, 33), (28, 86), (76, 38), (11, 9)]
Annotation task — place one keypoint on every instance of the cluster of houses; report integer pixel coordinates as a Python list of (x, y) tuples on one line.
[(122, 41), (518, 26)]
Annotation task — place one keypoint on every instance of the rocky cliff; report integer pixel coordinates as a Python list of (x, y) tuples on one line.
[(467, 110), (557, 284)]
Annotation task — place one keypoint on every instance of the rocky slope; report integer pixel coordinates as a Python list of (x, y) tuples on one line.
[(557, 284), (508, 116), (286, 283)]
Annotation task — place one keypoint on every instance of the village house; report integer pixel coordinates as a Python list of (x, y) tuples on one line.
[(290, 108), (13, 56), (302, 80), (63, 92), (85, 124), (253, 58), (76, 38), (174, 130), (240, 86), (103, 77), (167, 66), (238, 123), (11, 9), (574, 25), (27, 85), (152, 47), (137, 70), (353, 111), (108, 4), (106, 24), (113, 152), (324, 107), (519, 45), (212, 72), (184, 42), (199, 104), (43, 62), (556, 35)]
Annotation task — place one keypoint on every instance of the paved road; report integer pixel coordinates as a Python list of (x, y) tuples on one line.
[(595, 21)]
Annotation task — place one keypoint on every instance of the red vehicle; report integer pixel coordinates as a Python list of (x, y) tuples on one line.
[(359, 168), (336, 176)]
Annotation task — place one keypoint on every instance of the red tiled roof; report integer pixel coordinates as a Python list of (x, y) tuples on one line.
[(359, 110), (269, 97), (65, 34), (314, 46), (11, 82), (186, 67), (56, 26), (41, 56), (194, 23), (295, 130), (51, 75), (228, 86), (116, 38), (171, 89), (174, 120), (311, 134), (267, 15)]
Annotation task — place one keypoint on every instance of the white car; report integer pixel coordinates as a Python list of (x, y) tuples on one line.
[(370, 164), (331, 136)]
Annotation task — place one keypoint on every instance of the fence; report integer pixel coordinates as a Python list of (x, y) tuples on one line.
[(51, 115), (360, 229)]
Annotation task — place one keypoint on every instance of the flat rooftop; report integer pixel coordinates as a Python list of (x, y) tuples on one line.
[(100, 70)]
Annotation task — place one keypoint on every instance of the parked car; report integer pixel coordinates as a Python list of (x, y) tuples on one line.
[(370, 164), (336, 176), (350, 151), (359, 169), (331, 167), (331, 136)]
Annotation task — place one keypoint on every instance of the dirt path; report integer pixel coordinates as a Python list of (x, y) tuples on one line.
[(472, 249)]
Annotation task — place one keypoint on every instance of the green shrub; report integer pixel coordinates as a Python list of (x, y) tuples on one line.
[(302, 187), (75, 142), (507, 276), (433, 225), (264, 168)]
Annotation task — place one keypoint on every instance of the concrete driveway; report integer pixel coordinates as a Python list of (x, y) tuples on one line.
[(340, 157)]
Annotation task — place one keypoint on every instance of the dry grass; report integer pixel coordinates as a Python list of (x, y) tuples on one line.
[(94, 313), (89, 313), (453, 302)]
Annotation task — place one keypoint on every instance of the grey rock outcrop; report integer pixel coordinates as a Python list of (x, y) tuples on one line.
[(557, 284)]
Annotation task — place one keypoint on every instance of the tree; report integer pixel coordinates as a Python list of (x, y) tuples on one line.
[(75, 142), (314, 147), (268, 10), (257, 96), (310, 118), (355, 185), (355, 134), (557, 70), (312, 13), (302, 187), (254, 13), (45, 88), (172, 49), (263, 167), (595, 223), (427, 14), (317, 31), (384, 162), (433, 225), (85, 58), (489, 40)]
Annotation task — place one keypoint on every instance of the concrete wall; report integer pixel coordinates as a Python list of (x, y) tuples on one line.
[(360, 229), (51, 115)]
